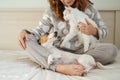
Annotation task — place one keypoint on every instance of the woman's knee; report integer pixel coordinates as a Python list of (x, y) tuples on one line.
[(105, 53), (32, 38), (31, 41), (111, 53), (112, 49)]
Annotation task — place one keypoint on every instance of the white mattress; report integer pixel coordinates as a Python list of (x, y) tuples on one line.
[(15, 65)]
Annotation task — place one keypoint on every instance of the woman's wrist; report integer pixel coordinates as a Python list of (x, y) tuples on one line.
[(95, 33), (26, 31), (59, 68)]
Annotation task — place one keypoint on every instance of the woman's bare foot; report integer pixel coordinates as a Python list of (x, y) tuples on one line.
[(70, 69)]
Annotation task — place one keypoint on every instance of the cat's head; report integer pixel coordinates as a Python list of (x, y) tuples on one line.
[(67, 13)]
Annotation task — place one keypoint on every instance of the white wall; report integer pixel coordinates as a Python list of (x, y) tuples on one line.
[(100, 4), (23, 3), (107, 4)]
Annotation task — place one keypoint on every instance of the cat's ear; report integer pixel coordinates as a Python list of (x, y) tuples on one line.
[(66, 7)]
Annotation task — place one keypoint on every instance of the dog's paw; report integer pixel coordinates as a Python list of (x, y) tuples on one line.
[(62, 45)]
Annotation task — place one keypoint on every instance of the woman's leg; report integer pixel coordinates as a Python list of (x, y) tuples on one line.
[(104, 53), (36, 52)]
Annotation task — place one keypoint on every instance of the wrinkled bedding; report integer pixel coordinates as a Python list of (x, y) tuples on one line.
[(15, 65)]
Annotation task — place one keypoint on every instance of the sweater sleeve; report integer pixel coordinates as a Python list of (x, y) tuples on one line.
[(44, 25), (102, 28)]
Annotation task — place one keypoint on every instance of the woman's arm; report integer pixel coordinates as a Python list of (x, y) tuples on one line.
[(100, 32), (44, 25), (102, 28), (88, 29)]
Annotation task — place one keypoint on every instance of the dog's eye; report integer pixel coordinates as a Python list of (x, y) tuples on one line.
[(59, 58), (53, 59)]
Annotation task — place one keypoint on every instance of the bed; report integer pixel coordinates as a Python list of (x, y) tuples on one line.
[(15, 65)]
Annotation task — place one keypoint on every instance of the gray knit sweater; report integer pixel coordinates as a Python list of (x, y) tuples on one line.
[(49, 21)]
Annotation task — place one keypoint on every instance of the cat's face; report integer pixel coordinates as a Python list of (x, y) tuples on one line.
[(54, 58), (67, 13)]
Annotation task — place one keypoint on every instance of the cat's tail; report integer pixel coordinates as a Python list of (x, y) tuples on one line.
[(102, 67)]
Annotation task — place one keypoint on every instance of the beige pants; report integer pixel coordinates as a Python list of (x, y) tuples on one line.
[(104, 53)]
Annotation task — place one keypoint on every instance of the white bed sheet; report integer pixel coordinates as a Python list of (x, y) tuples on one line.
[(15, 65)]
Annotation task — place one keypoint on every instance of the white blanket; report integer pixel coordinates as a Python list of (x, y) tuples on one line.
[(15, 65)]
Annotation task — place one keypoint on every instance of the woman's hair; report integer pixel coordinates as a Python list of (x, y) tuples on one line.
[(57, 6)]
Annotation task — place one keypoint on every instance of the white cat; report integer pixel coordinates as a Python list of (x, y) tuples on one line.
[(74, 16)]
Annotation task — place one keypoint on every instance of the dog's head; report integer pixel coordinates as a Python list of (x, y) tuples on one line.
[(54, 58), (47, 40), (43, 39)]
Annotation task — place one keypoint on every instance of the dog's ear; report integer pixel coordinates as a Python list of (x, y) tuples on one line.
[(39, 41), (43, 39), (55, 34)]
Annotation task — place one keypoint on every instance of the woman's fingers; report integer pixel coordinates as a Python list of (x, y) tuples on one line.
[(23, 36), (22, 43), (80, 24), (26, 37), (82, 27), (85, 28)]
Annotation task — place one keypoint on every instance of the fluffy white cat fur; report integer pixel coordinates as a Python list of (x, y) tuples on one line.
[(63, 57), (74, 16)]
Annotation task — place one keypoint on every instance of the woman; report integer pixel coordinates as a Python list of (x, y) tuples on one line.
[(53, 17)]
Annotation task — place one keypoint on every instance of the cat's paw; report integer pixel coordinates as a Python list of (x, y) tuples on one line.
[(86, 49)]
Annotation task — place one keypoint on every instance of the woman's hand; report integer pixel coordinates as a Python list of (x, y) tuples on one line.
[(22, 37), (70, 69), (88, 28)]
